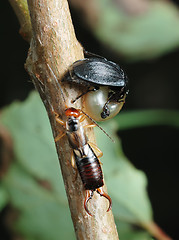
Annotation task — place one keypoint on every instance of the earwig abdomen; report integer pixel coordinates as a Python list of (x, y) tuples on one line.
[(89, 168)]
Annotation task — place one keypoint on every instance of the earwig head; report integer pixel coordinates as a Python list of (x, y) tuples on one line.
[(72, 112)]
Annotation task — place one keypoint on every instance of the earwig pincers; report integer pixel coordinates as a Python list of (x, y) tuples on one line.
[(89, 195)]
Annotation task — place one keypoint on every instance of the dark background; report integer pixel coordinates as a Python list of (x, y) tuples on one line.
[(153, 84)]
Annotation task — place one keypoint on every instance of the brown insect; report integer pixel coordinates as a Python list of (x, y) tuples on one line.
[(87, 162)]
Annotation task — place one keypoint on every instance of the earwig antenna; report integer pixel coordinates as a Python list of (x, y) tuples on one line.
[(56, 80), (98, 126)]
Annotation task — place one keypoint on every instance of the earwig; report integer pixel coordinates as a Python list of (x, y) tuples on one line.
[(87, 162)]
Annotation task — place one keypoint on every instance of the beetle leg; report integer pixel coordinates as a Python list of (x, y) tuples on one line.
[(106, 112), (89, 195), (103, 194), (122, 100)]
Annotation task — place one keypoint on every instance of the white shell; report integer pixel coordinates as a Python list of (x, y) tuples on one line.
[(94, 103)]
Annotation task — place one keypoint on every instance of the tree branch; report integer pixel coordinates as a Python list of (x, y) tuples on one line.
[(21, 10), (54, 43)]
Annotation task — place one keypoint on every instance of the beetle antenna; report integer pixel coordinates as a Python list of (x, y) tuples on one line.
[(98, 126), (56, 80), (88, 90), (94, 55)]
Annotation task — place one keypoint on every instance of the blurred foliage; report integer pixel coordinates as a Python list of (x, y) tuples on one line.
[(3, 197), (127, 185), (128, 232), (33, 184), (138, 36), (144, 118)]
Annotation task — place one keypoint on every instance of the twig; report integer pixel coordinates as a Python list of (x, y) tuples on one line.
[(156, 231), (54, 43), (21, 9)]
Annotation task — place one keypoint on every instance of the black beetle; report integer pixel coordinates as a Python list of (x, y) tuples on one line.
[(96, 72)]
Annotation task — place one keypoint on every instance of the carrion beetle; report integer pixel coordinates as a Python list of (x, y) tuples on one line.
[(105, 82)]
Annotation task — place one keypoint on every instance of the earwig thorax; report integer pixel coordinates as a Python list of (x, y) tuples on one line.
[(69, 112)]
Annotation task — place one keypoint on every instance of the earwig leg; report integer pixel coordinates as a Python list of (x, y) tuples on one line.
[(82, 118), (59, 136), (97, 149), (90, 126), (72, 160), (103, 194), (76, 175), (89, 195), (74, 166), (58, 119)]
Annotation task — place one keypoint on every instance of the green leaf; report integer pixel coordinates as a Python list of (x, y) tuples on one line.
[(34, 183), (43, 213), (33, 142), (144, 118), (126, 184), (128, 232), (141, 36)]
